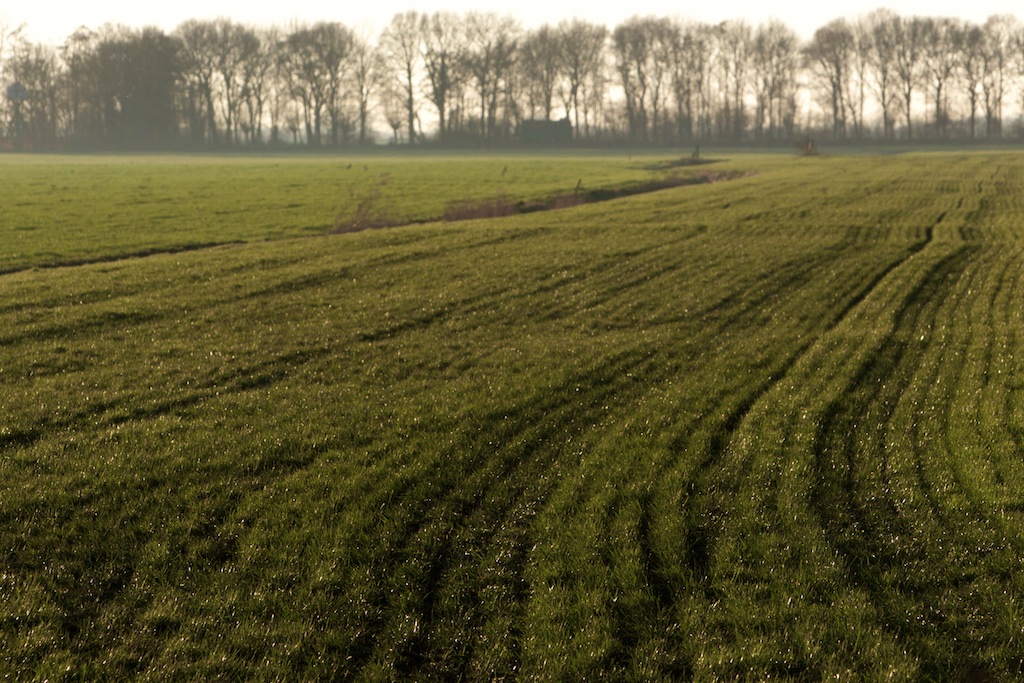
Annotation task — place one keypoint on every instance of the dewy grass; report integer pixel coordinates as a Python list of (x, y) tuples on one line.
[(65, 210), (760, 429)]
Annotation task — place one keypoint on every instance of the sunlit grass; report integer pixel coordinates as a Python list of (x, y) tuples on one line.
[(763, 428)]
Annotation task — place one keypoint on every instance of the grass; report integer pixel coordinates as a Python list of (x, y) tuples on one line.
[(764, 428), (67, 210)]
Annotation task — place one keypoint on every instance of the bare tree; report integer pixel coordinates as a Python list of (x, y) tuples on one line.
[(734, 41), (633, 44), (81, 110), (858, 82), (1017, 46), (582, 62), (663, 38), (492, 43), (539, 66), (34, 71), (315, 60), (689, 57), (199, 65), (234, 46), (135, 84), (643, 59), (258, 77), (972, 71), (998, 31), (774, 50), (881, 47), (9, 36), (307, 87), (366, 76), (909, 40), (940, 57), (400, 50), (334, 43), (392, 102), (444, 53), (829, 59)]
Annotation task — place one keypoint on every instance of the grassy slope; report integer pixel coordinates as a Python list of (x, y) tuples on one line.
[(769, 427), (63, 210)]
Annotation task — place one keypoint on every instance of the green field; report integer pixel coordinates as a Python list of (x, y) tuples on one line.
[(765, 428)]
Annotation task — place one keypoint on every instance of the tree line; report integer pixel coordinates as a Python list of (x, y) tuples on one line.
[(454, 79)]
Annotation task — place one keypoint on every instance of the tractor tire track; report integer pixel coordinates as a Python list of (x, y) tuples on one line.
[(488, 509), (702, 513), (702, 503), (861, 524)]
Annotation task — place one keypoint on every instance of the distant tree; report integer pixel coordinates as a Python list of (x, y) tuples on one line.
[(941, 46), (998, 33), (860, 65), (334, 42), (258, 79), (279, 105), (908, 63), (632, 41), (582, 63), (392, 103), (79, 97), (734, 38), (366, 75), (199, 66), (775, 57), (663, 38), (972, 71), (34, 74), (137, 74), (400, 50), (492, 42), (691, 58), (235, 47), (540, 57), (1017, 47), (307, 85), (881, 47), (684, 84), (828, 57), (643, 48), (315, 60), (444, 54), (9, 35)]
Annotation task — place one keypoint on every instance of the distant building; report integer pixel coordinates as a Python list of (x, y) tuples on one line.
[(543, 132), (16, 92)]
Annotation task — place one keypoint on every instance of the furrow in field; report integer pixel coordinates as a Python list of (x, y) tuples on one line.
[(120, 257), (898, 487), (720, 522), (1004, 395), (459, 560), (888, 490), (863, 412), (653, 373), (974, 428), (669, 547), (783, 441), (707, 477), (109, 413)]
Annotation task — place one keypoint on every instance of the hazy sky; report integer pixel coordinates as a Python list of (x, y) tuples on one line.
[(53, 21)]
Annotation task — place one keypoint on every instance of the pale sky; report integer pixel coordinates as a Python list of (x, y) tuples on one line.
[(52, 22)]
